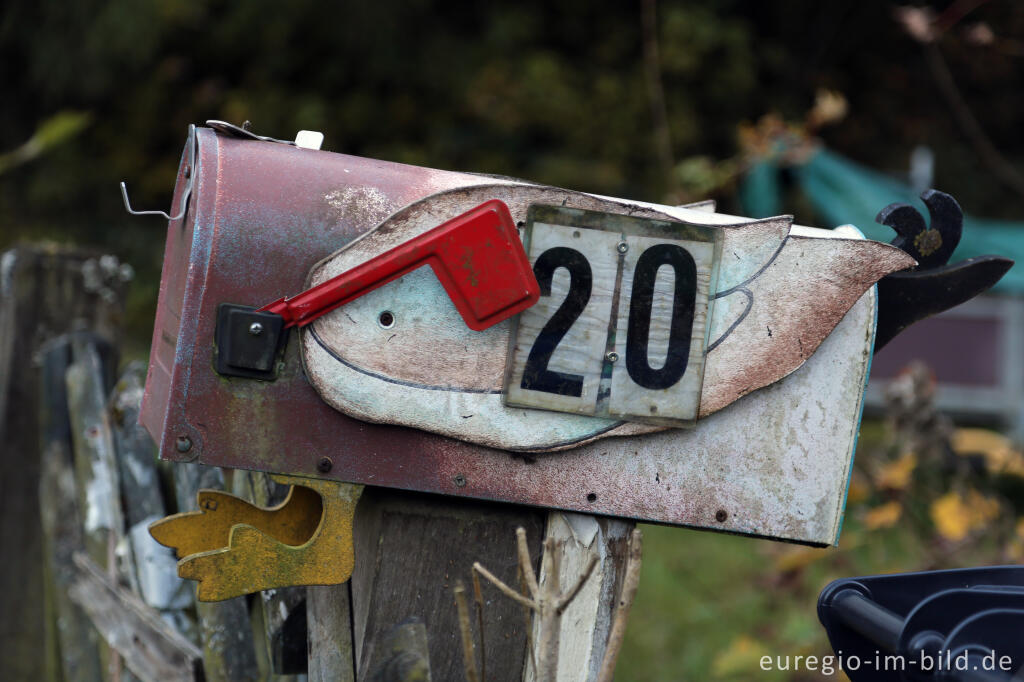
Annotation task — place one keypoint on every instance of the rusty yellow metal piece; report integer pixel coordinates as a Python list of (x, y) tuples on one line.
[(233, 547)]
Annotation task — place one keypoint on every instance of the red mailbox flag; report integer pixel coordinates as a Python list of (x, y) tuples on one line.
[(477, 256)]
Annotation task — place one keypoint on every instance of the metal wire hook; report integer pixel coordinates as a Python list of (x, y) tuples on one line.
[(189, 161), (128, 206)]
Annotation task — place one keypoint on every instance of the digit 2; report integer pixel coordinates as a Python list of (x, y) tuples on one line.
[(536, 375), (681, 328)]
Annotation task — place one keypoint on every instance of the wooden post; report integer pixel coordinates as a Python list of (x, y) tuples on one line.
[(73, 642), (44, 292), (329, 634), (412, 549), (586, 624), (97, 478)]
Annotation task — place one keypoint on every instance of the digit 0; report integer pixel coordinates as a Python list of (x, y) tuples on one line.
[(640, 305)]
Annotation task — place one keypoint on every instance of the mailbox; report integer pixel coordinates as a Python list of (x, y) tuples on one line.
[(395, 389), (564, 350)]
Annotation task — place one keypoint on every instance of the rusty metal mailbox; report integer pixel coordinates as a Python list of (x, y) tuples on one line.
[(755, 336)]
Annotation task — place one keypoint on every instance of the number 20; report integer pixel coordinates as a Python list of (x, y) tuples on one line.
[(537, 376)]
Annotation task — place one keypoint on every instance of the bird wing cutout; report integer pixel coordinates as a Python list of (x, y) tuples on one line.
[(431, 372)]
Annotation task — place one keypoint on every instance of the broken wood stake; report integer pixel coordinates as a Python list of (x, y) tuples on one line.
[(629, 586)]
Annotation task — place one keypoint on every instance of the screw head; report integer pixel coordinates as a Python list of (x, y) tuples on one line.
[(460, 480), (622, 247), (183, 444), (611, 356), (324, 465), (721, 515), (255, 328)]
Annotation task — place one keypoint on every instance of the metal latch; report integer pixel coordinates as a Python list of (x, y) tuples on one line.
[(248, 343)]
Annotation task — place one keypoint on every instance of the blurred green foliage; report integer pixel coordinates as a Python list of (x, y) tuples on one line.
[(54, 131)]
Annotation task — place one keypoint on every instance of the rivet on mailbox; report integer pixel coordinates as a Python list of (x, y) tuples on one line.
[(586, 346)]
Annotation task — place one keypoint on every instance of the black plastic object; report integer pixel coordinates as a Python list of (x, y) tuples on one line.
[(248, 343), (964, 625), (933, 286)]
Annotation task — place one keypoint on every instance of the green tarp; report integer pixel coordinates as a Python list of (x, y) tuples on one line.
[(842, 192)]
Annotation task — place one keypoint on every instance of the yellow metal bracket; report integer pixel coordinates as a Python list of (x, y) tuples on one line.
[(233, 547)]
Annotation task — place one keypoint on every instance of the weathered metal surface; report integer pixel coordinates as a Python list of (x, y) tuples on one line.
[(682, 475), (233, 547), (261, 213), (933, 286), (780, 295), (792, 303)]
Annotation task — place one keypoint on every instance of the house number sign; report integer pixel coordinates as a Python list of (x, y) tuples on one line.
[(620, 330)]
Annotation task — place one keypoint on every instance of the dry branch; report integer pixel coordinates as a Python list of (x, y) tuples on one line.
[(548, 602), (468, 655)]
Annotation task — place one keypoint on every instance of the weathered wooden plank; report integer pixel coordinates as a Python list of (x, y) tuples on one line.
[(136, 452), (95, 463), (329, 633), (76, 642), (224, 627), (402, 655), (586, 623), (410, 551), (8, 330), (73, 640), (153, 572), (97, 481), (151, 648)]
